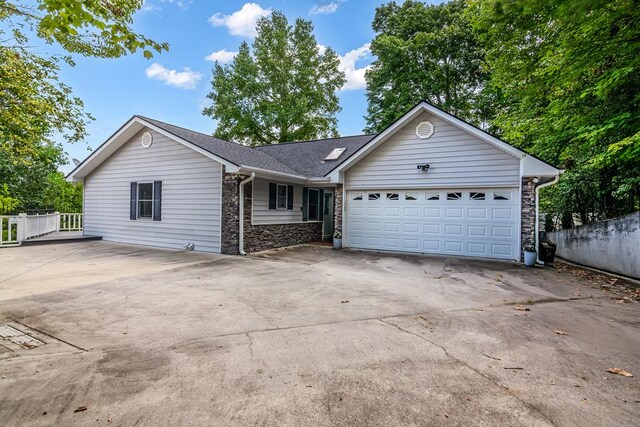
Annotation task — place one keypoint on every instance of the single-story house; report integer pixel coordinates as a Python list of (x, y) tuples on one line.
[(429, 183)]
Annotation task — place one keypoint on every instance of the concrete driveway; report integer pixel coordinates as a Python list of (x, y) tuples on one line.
[(307, 336)]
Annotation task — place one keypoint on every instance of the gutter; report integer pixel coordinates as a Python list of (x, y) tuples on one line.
[(537, 227), (241, 214)]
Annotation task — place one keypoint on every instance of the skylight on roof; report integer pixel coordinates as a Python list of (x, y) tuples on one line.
[(335, 154)]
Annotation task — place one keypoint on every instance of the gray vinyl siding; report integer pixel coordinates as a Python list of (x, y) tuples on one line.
[(191, 196), (261, 214), (456, 159)]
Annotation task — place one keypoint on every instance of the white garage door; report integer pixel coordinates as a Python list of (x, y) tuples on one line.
[(472, 222)]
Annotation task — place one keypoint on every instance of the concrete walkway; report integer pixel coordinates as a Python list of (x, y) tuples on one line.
[(309, 336)]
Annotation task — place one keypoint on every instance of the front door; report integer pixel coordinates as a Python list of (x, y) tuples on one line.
[(327, 220)]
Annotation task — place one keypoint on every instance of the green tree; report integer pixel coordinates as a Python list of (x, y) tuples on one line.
[(281, 89), (424, 52), (567, 73), (35, 106)]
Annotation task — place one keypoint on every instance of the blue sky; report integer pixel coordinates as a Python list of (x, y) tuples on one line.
[(173, 85)]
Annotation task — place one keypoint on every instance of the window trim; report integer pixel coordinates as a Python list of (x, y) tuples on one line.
[(138, 200), (286, 196)]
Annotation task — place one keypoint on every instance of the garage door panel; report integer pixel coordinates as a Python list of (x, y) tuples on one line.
[(432, 213), (455, 213), (432, 246), (472, 222), (477, 213), (476, 231), (411, 212), (475, 248), (453, 246), (431, 228)]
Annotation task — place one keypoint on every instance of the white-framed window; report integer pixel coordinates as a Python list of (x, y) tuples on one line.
[(392, 196), (281, 196), (502, 195), (374, 196), (454, 196), (410, 196), (476, 195), (356, 196), (432, 195), (145, 200)]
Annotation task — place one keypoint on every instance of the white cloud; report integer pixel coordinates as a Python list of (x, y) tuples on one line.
[(355, 76), (325, 9), (185, 79), (321, 49), (241, 22), (180, 3), (148, 7), (222, 56)]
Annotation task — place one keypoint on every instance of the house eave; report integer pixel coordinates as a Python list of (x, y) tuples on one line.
[(122, 136)]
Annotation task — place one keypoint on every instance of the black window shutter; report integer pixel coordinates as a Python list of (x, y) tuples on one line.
[(272, 195), (321, 205), (133, 214), (157, 200), (290, 197), (305, 203)]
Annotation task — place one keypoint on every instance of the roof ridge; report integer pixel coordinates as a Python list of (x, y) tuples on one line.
[(189, 130), (262, 153), (313, 140)]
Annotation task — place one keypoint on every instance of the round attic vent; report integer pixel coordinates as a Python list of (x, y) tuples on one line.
[(147, 139), (424, 130)]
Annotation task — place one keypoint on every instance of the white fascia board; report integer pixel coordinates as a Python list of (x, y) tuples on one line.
[(535, 167), (379, 139), (110, 146), (124, 134), (473, 130), (229, 167), (415, 111), (269, 173)]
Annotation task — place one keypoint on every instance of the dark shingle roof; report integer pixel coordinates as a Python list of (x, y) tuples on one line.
[(237, 154), (307, 157), (304, 158)]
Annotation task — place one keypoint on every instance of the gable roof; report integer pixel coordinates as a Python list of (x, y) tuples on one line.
[(238, 154), (531, 165), (299, 160), (308, 157)]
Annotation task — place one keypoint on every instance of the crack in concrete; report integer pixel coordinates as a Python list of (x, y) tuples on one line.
[(250, 344), (495, 382)]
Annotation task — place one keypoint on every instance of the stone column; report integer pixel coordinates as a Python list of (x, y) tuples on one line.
[(337, 209), (230, 212), (528, 214)]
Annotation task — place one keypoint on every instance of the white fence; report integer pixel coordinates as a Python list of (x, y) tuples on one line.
[(15, 229)]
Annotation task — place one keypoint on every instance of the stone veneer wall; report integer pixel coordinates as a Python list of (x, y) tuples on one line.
[(270, 236), (528, 215), (257, 237), (230, 207), (337, 208)]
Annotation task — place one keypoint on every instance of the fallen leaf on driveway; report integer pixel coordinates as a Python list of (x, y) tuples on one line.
[(561, 333), (521, 308), (620, 371), (345, 301), (80, 409)]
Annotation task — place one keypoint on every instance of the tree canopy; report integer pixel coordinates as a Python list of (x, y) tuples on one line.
[(282, 88), (35, 105), (424, 52), (565, 74)]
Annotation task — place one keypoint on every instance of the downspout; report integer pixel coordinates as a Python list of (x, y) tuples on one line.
[(241, 214), (537, 227)]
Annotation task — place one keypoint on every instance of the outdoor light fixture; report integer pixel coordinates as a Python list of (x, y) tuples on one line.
[(424, 167)]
